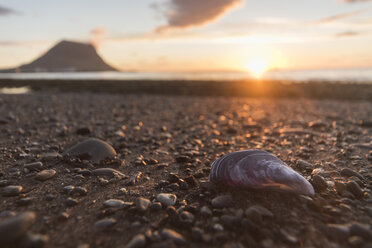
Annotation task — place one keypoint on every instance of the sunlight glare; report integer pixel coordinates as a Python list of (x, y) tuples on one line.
[(257, 67)]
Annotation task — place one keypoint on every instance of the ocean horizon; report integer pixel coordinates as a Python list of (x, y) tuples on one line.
[(363, 75)]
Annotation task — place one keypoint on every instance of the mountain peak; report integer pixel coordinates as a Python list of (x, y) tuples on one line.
[(68, 56)]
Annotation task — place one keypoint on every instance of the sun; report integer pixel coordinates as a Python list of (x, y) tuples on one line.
[(257, 67)]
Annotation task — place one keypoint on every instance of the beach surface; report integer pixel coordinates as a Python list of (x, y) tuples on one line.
[(166, 144)]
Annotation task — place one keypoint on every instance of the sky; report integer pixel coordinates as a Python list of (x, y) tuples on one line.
[(194, 35)]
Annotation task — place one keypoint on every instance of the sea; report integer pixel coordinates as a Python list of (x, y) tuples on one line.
[(363, 75)]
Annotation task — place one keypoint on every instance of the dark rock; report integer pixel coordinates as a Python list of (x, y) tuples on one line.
[(338, 232), (305, 165), (183, 185), (25, 201), (191, 181), (354, 188), (84, 131), (173, 235), (81, 191), (12, 190), (156, 206), (114, 203), (70, 202), (45, 175), (182, 159), (107, 172), (142, 204), (222, 201), (173, 178), (104, 224), (361, 230), (346, 172), (14, 227), (167, 199), (205, 211), (35, 166), (92, 149), (137, 241), (319, 183), (229, 221)]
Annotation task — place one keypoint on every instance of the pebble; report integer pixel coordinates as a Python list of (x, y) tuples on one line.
[(114, 203), (142, 204), (45, 175), (338, 232), (104, 223), (107, 172), (14, 227), (355, 189), (137, 241), (70, 202), (81, 191), (340, 187), (12, 190), (173, 235), (33, 241), (319, 183), (361, 230), (49, 156), (346, 172), (305, 165), (167, 199), (95, 150), (191, 181), (35, 166), (205, 211), (222, 201)]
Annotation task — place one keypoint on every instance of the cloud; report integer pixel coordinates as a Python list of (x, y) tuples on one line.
[(5, 11), (356, 1), (97, 34), (350, 34), (340, 16), (189, 13)]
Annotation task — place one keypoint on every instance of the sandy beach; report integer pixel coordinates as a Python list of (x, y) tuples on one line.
[(166, 144)]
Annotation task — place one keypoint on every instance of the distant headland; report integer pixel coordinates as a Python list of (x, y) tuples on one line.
[(66, 56)]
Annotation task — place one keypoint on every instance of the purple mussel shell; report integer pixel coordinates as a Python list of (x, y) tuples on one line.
[(257, 169)]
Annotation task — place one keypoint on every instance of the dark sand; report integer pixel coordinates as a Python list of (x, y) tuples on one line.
[(160, 135)]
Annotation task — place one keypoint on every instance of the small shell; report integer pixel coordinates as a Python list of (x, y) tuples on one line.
[(257, 169)]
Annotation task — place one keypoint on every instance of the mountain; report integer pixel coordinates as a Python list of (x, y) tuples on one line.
[(66, 56)]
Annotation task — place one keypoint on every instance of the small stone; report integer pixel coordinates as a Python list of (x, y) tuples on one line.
[(173, 178), (84, 131), (137, 241), (95, 150), (191, 181), (361, 230), (156, 206), (81, 191), (222, 201), (35, 166), (173, 235), (182, 159), (288, 237), (14, 227), (218, 227), (205, 211), (340, 187), (12, 190), (305, 165), (338, 232), (346, 172), (25, 201), (33, 241), (104, 224), (45, 175), (70, 202), (142, 204), (355, 189), (167, 199), (107, 172), (50, 156), (114, 203), (319, 183)]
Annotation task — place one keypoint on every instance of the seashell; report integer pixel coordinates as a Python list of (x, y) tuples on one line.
[(95, 150), (258, 169)]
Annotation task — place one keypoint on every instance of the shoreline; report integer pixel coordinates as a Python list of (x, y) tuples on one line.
[(235, 88)]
